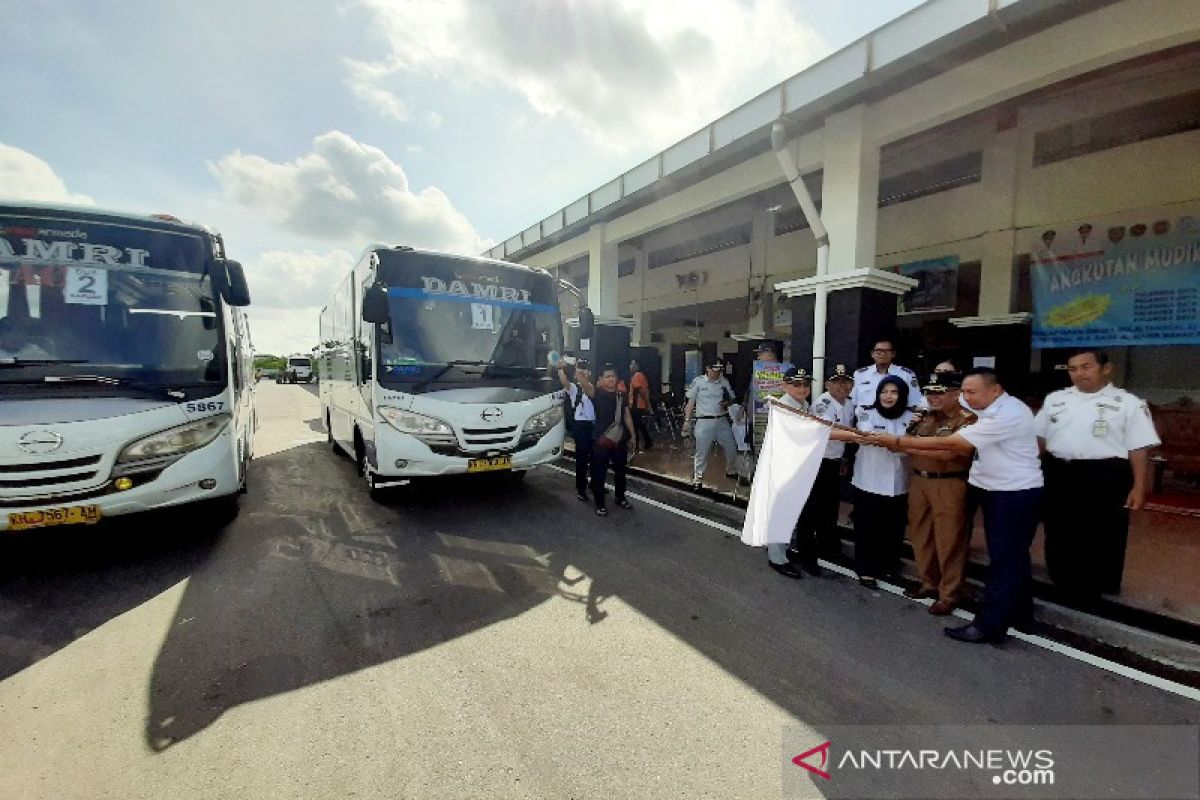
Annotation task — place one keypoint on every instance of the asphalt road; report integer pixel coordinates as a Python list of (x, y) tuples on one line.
[(466, 638)]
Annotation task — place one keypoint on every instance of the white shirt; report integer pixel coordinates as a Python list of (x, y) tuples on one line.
[(585, 411), (876, 469), (840, 413), (1086, 426), (866, 382), (791, 402), (708, 395), (1006, 449)]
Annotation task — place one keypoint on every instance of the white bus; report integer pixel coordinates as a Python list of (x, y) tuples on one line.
[(126, 370), (432, 364)]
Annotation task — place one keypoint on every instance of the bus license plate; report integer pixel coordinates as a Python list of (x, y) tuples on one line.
[(488, 464), (70, 515)]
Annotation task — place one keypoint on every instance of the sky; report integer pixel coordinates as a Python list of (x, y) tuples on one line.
[(304, 130)]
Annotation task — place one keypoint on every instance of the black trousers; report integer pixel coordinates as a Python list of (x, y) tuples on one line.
[(879, 523), (816, 535), (639, 427), (1010, 520), (581, 432), (1087, 525), (601, 458)]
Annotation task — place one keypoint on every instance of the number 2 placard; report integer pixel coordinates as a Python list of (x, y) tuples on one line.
[(86, 286)]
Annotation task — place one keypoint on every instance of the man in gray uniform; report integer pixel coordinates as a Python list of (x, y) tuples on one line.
[(709, 397)]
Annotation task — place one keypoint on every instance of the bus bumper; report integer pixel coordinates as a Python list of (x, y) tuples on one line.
[(214, 465)]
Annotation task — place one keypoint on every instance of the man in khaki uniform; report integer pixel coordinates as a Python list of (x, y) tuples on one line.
[(937, 499)]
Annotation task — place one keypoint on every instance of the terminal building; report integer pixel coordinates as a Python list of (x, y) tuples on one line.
[(955, 148), (999, 180)]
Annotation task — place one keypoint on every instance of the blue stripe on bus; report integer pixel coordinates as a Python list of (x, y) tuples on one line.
[(421, 294)]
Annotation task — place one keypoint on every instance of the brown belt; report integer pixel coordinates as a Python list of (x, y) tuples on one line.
[(960, 474)]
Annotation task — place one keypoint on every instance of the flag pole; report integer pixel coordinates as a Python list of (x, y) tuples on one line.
[(806, 415)]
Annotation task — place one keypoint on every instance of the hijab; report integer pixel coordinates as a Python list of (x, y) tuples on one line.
[(896, 411)]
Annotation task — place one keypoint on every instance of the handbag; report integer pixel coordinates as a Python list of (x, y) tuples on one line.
[(615, 432)]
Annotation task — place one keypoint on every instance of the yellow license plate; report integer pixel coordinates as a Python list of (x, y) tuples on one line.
[(70, 515), (488, 464)]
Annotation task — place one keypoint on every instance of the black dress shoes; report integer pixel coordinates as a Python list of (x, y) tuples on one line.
[(785, 569), (972, 635)]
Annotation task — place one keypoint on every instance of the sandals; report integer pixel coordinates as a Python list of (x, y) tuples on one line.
[(601, 512), (868, 582), (623, 503)]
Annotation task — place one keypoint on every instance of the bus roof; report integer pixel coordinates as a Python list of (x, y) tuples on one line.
[(376, 247), (94, 214)]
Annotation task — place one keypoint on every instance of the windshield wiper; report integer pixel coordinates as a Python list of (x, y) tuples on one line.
[(110, 381), (23, 362), (459, 362), (81, 379)]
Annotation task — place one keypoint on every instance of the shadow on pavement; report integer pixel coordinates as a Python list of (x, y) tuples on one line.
[(57, 584)]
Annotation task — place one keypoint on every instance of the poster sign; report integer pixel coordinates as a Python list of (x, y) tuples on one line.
[(86, 286), (767, 382), (936, 289), (1136, 285)]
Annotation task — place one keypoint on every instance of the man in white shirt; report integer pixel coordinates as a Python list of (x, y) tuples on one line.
[(1096, 439), (866, 379), (708, 402), (1008, 474), (584, 413), (817, 534)]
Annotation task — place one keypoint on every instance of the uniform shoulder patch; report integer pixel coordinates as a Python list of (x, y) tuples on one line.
[(861, 369), (904, 369), (821, 406)]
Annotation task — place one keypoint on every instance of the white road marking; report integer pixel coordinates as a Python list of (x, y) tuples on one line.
[(1039, 641)]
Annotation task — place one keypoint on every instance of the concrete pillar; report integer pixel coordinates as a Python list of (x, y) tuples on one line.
[(762, 228), (602, 274), (641, 317), (998, 183), (850, 189)]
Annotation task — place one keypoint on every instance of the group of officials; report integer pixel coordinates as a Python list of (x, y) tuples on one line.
[(923, 459)]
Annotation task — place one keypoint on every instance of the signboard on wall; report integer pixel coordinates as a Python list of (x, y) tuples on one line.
[(936, 289), (1134, 284)]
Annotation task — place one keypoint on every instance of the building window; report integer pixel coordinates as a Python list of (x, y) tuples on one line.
[(625, 267), (1167, 117), (710, 243), (940, 177)]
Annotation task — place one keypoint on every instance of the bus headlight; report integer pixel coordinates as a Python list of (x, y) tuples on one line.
[(542, 422), (418, 425), (176, 441)]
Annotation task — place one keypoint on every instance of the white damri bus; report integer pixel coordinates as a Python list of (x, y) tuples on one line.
[(126, 371), (432, 364)]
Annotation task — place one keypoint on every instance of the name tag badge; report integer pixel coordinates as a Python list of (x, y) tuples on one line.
[(1100, 428)]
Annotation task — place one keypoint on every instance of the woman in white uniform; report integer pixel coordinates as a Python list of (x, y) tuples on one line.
[(880, 484)]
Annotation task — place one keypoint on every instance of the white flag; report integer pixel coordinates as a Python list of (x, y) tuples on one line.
[(787, 467)]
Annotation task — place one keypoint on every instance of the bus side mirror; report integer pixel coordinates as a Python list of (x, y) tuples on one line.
[(236, 292), (587, 323), (375, 305)]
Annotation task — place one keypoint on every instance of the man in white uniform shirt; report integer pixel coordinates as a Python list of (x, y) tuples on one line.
[(1008, 474), (817, 533), (582, 428), (708, 402), (866, 379), (1096, 439)]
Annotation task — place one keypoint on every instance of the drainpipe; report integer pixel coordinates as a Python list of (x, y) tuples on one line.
[(821, 305)]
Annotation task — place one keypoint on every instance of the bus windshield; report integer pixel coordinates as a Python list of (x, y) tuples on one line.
[(123, 302), (452, 311)]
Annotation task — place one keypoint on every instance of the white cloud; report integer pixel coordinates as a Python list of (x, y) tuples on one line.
[(287, 290), (347, 192), (364, 81), (24, 176), (624, 72)]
